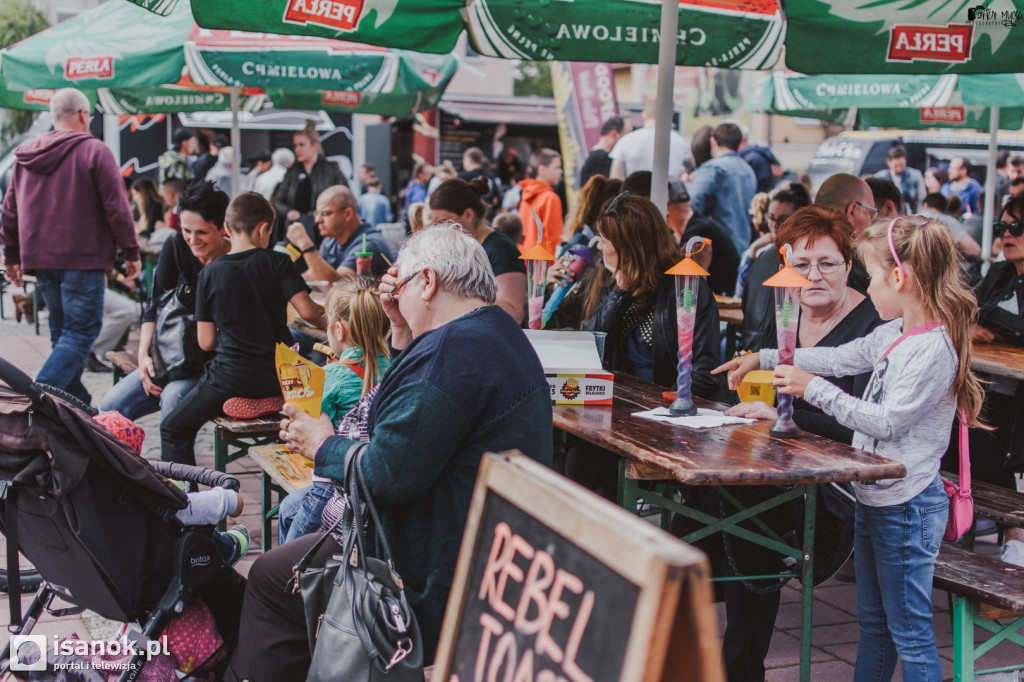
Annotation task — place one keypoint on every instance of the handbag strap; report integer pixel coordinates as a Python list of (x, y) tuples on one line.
[(350, 456), (965, 457)]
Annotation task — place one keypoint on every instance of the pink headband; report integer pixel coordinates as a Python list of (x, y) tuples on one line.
[(892, 249)]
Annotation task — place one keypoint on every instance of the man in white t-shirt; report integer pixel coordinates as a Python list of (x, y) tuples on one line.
[(635, 151)]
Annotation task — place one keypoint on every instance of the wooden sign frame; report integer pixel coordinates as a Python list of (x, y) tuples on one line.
[(673, 634)]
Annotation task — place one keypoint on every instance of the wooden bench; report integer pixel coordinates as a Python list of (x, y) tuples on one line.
[(233, 438), (284, 472), (995, 503), (972, 580), (124, 363)]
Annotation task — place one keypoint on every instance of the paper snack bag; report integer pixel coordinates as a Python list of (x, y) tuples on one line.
[(302, 382)]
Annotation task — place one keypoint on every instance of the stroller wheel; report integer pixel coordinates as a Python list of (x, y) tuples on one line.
[(30, 578)]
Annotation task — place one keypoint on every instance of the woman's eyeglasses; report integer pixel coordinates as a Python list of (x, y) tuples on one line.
[(1015, 228), (824, 267), (401, 285)]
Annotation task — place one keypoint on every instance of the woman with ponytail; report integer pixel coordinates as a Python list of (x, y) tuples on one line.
[(357, 331), (463, 203), (921, 378)]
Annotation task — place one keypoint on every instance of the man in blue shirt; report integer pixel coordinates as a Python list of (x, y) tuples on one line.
[(374, 207), (963, 185), (908, 180), (724, 186), (337, 216)]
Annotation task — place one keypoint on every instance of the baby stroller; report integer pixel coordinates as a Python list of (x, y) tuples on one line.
[(98, 523)]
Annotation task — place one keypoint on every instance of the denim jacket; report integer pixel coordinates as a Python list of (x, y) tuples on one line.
[(723, 188)]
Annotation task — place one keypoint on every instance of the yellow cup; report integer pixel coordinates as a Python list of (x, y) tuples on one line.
[(757, 385)]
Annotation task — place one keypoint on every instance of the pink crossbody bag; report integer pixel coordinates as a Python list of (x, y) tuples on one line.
[(961, 504)]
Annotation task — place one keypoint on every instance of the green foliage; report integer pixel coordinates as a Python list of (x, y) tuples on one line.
[(19, 19), (532, 78)]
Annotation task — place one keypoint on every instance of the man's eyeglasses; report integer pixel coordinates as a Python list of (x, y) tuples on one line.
[(824, 267), (326, 213), (1015, 228), (874, 211), (401, 285)]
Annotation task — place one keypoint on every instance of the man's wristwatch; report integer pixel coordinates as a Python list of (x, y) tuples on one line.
[(311, 247)]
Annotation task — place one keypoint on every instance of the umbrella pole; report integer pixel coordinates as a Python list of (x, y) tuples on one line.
[(989, 209), (663, 116), (236, 144), (112, 135)]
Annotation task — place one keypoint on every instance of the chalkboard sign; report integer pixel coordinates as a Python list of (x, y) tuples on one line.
[(555, 584)]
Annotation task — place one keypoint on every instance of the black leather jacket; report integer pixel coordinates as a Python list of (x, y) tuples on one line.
[(323, 175), (609, 318), (999, 286)]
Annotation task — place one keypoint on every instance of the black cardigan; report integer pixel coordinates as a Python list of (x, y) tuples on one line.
[(857, 323), (1000, 285)]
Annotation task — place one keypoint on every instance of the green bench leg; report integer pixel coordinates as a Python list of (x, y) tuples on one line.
[(265, 512), (963, 639)]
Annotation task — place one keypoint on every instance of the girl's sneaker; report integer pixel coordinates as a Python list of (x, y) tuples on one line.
[(240, 536)]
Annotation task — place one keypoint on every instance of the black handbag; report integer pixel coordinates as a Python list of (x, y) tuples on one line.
[(176, 352), (359, 623)]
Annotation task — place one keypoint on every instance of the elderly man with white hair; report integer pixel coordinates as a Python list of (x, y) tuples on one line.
[(466, 382), (282, 159), (65, 215)]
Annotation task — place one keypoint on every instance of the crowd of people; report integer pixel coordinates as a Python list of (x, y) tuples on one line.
[(889, 259)]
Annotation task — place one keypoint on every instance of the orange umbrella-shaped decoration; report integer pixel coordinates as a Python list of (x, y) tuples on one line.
[(686, 273), (787, 283)]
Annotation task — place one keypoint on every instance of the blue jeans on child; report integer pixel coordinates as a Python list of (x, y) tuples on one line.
[(895, 549), (75, 301), (130, 399), (300, 512)]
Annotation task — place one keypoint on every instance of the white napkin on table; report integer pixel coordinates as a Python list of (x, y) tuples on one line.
[(704, 419)]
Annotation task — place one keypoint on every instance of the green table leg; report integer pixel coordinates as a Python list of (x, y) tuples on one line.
[(265, 504), (963, 640), (807, 578)]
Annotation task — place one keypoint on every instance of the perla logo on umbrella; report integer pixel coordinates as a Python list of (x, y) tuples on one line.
[(77, 68), (942, 115), (342, 15), (912, 42), (341, 98), (39, 96)]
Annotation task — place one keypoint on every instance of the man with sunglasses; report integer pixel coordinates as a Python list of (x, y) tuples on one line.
[(997, 454)]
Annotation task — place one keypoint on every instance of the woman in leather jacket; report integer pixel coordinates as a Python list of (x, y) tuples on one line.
[(632, 300), (295, 198), (999, 453)]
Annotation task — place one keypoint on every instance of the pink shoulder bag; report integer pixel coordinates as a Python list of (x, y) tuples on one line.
[(961, 504)]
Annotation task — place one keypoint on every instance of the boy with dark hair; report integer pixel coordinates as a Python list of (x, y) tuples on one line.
[(241, 312)]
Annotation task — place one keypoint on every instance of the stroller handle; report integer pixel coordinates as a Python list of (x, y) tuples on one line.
[(22, 383), (193, 474)]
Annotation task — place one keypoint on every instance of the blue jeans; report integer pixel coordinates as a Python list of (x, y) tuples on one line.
[(894, 553), (130, 399), (75, 301), (300, 512)]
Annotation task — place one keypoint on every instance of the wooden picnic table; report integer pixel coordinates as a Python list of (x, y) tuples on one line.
[(284, 472), (726, 456), (998, 358)]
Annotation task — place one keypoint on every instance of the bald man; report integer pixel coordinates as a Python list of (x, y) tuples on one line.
[(852, 197), (337, 216)]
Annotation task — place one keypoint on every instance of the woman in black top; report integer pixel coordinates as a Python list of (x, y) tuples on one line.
[(632, 300), (997, 454), (149, 204), (295, 198), (831, 313), (462, 202), (201, 241)]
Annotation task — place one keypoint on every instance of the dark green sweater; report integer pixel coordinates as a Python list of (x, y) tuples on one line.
[(474, 385)]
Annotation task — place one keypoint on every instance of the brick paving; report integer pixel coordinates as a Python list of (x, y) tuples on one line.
[(835, 619)]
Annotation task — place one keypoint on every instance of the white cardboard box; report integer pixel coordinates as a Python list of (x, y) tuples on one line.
[(572, 367)]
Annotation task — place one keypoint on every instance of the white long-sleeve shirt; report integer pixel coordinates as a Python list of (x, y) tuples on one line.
[(907, 409)]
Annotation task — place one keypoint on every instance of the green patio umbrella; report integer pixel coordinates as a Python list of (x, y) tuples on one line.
[(994, 89), (901, 36), (886, 100)]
